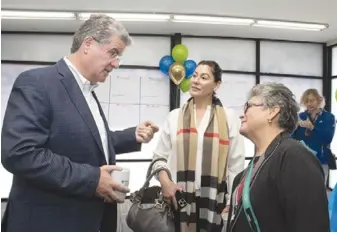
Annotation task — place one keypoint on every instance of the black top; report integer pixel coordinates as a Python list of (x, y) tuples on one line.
[(287, 194)]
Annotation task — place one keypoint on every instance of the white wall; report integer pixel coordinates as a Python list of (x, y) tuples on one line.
[(291, 58), (146, 51), (333, 179), (334, 61), (230, 54)]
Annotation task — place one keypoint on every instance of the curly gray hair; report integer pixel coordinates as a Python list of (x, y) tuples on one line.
[(101, 28), (278, 95)]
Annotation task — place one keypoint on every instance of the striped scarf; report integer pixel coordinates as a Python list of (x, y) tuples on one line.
[(214, 164)]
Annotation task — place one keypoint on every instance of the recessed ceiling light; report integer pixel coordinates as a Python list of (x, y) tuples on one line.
[(8, 14)]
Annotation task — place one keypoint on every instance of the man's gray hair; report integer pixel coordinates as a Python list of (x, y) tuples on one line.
[(101, 28), (278, 95)]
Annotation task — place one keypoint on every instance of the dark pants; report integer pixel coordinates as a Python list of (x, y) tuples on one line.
[(108, 223), (109, 220)]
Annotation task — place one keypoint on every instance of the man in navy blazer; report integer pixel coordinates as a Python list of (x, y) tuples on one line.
[(57, 143)]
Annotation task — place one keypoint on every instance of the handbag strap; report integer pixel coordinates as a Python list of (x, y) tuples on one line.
[(138, 195), (149, 176), (148, 179), (246, 203), (148, 173)]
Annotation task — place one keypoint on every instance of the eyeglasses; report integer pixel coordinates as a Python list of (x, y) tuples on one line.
[(249, 105), (112, 53)]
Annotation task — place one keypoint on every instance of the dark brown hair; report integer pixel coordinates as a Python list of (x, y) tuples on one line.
[(215, 68)]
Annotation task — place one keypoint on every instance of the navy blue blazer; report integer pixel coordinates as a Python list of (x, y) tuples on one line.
[(52, 146)]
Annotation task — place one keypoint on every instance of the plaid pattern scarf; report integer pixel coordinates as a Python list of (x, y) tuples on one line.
[(214, 164)]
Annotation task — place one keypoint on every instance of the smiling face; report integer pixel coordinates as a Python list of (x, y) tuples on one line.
[(202, 83), (102, 58), (256, 117)]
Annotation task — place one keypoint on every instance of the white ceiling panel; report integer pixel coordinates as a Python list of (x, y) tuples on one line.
[(323, 11)]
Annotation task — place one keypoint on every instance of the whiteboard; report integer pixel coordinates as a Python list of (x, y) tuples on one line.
[(291, 58), (137, 95), (233, 93), (297, 85), (9, 72), (334, 61), (128, 97)]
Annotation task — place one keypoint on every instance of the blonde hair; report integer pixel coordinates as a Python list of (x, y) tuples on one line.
[(316, 94)]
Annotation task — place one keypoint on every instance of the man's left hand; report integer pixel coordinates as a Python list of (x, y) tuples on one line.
[(145, 131)]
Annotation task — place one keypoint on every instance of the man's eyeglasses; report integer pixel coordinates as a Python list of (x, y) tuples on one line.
[(113, 53), (249, 105)]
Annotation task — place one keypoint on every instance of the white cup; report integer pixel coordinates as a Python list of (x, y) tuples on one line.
[(122, 177)]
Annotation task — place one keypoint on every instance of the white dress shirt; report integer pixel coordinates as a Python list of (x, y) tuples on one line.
[(167, 147), (86, 88)]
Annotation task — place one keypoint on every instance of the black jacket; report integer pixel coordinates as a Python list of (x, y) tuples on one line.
[(287, 194)]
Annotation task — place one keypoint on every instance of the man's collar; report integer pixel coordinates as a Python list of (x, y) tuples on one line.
[(85, 83)]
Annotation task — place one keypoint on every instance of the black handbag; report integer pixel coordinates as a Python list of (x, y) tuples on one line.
[(149, 211)]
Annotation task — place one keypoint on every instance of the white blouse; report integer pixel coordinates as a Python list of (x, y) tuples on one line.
[(167, 147)]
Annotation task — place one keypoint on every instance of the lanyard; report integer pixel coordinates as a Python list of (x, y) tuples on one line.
[(246, 202)]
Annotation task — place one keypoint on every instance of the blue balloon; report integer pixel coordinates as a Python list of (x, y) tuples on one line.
[(165, 63), (190, 66)]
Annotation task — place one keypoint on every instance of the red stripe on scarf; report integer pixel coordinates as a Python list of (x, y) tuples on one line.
[(191, 130), (216, 135)]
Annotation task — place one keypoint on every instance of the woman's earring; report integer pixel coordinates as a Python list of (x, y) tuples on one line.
[(269, 121)]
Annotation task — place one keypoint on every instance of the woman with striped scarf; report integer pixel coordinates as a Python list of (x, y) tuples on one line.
[(204, 152)]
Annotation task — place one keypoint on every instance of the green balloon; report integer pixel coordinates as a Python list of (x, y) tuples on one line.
[(180, 53), (185, 85)]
